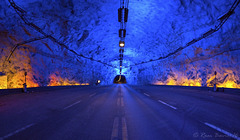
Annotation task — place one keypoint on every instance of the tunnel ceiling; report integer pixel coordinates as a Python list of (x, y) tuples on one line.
[(89, 28)]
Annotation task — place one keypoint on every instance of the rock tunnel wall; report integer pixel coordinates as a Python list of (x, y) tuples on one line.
[(154, 29), (178, 23)]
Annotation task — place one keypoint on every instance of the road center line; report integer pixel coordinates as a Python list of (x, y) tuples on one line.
[(17, 131), (122, 104), (115, 129), (124, 129), (222, 131), (118, 101), (167, 104), (146, 94), (72, 105)]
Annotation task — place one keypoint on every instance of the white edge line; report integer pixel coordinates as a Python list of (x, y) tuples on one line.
[(146, 94), (17, 131), (222, 131), (167, 104), (72, 105), (92, 94)]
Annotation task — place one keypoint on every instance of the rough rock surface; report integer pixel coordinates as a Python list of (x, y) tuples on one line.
[(90, 27)]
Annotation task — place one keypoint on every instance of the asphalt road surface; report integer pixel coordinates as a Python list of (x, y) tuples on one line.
[(120, 112)]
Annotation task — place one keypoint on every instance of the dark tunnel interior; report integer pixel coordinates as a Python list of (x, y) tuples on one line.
[(120, 79)]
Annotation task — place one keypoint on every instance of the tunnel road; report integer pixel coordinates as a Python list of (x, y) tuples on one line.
[(120, 112)]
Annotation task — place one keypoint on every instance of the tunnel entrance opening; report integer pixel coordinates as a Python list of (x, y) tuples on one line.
[(120, 79)]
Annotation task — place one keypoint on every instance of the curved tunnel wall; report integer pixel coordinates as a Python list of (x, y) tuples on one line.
[(155, 29)]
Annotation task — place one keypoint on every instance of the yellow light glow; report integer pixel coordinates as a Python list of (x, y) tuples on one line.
[(3, 82), (181, 81), (230, 80), (121, 44), (59, 81), (85, 84), (15, 78), (17, 81), (171, 82)]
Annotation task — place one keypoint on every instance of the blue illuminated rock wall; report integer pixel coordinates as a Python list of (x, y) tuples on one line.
[(161, 27), (154, 29)]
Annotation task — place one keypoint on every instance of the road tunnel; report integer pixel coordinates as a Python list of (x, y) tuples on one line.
[(120, 79), (149, 42)]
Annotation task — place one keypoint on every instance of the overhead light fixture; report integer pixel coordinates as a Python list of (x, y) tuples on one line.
[(120, 14), (121, 50), (122, 33), (121, 44), (123, 14)]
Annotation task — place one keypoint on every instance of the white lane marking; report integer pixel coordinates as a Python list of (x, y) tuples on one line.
[(122, 104), (71, 105), (92, 94), (222, 131), (118, 101), (146, 94), (124, 129), (115, 129), (167, 104), (17, 131)]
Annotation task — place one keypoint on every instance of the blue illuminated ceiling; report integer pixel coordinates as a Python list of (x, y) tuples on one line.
[(155, 29)]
